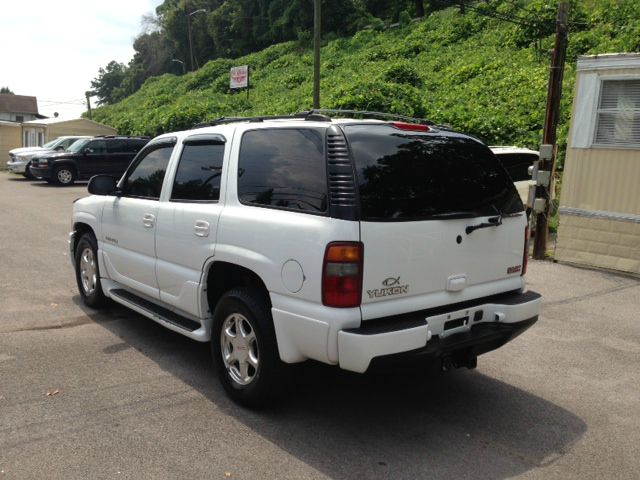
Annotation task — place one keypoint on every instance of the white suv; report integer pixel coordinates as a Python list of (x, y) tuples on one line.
[(282, 239), (518, 161)]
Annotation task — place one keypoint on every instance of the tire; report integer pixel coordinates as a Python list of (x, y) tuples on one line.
[(64, 175), (250, 371), (88, 272), (27, 174)]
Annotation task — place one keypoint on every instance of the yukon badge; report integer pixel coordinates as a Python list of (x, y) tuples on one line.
[(391, 287)]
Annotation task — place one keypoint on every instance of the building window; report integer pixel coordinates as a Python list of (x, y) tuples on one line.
[(618, 122), (19, 118)]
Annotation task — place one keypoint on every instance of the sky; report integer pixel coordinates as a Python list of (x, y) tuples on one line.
[(52, 49)]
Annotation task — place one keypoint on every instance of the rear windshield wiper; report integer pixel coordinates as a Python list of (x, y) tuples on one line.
[(491, 222)]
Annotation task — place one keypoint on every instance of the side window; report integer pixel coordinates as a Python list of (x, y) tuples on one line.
[(96, 146), (116, 146), (198, 175), (283, 168), (67, 143), (145, 180), (133, 146)]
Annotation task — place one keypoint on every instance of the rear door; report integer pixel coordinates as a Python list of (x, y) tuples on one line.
[(423, 195), (188, 221)]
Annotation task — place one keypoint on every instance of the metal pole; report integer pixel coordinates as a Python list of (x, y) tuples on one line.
[(190, 45), (86, 94), (316, 53), (552, 114)]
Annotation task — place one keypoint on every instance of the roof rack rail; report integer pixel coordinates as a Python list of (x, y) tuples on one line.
[(372, 115), (318, 115), (305, 115)]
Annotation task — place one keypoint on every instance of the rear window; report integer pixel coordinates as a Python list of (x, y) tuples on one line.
[(408, 176)]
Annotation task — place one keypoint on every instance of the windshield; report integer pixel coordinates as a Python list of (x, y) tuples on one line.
[(408, 176), (78, 145), (51, 144)]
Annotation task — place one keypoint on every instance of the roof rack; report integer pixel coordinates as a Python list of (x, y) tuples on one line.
[(372, 115), (317, 115)]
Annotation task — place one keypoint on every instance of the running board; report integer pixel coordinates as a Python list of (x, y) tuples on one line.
[(153, 311)]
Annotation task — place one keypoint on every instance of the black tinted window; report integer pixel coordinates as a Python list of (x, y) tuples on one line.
[(146, 178), (283, 168), (115, 146), (96, 146), (517, 164), (134, 145), (198, 175), (412, 175)]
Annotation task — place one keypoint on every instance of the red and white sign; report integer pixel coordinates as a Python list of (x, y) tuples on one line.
[(239, 77)]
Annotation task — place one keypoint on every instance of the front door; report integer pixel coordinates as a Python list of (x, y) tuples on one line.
[(93, 159), (129, 223)]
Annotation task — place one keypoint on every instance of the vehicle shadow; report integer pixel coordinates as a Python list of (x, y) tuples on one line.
[(402, 424)]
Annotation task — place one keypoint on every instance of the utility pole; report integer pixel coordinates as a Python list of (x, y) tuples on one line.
[(87, 95), (316, 53), (192, 59), (546, 163)]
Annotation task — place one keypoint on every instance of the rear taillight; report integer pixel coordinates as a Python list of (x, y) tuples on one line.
[(416, 127), (342, 274), (525, 254)]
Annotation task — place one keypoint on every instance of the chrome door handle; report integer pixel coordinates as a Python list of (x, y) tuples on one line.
[(201, 228), (148, 220)]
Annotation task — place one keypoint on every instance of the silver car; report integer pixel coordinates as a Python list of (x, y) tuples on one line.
[(20, 158)]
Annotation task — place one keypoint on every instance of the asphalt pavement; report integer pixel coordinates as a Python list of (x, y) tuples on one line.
[(111, 394)]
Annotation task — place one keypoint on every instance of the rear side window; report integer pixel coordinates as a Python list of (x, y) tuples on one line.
[(146, 177), (406, 175), (283, 168), (115, 146), (517, 164), (198, 175)]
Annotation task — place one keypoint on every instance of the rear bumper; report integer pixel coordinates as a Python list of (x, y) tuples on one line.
[(464, 330)]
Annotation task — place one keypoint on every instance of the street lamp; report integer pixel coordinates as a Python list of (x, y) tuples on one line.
[(200, 10), (180, 62)]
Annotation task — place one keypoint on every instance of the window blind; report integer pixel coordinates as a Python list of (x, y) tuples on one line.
[(619, 113)]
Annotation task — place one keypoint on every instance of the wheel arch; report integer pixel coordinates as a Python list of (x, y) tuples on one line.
[(81, 228), (224, 276)]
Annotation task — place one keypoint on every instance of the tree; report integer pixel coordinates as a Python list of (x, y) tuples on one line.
[(107, 84), (6, 90)]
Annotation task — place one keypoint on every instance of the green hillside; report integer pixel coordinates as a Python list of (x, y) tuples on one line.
[(478, 73)]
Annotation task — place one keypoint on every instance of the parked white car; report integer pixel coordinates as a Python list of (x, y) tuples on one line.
[(517, 161), (20, 158), (347, 241)]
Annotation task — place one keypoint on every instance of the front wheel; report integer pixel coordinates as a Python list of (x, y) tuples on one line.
[(88, 271), (245, 349), (64, 175)]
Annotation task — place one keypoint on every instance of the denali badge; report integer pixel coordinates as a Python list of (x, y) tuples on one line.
[(514, 269), (392, 287)]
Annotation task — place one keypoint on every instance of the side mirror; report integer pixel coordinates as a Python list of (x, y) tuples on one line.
[(102, 185)]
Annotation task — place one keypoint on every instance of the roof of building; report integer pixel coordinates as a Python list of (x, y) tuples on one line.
[(54, 120), (18, 103)]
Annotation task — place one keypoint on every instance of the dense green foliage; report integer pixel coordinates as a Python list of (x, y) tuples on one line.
[(480, 74), (232, 28)]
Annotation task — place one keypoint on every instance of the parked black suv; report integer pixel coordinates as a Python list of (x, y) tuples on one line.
[(106, 154)]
